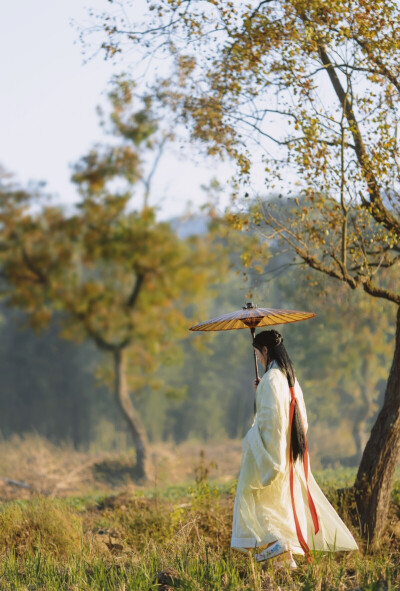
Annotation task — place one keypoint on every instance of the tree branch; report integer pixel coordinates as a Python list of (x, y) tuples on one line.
[(378, 210), (147, 181), (135, 291), (379, 292), (318, 265), (41, 278), (257, 9), (382, 69)]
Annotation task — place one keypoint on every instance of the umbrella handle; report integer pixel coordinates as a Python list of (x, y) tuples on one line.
[(253, 332)]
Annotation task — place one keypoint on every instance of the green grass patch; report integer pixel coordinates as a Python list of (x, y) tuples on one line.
[(178, 537)]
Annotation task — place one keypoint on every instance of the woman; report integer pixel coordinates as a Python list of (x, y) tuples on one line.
[(279, 508)]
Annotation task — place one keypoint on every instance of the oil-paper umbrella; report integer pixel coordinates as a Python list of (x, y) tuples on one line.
[(252, 317)]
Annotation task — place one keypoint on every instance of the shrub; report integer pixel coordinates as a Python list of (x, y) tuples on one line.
[(49, 525)]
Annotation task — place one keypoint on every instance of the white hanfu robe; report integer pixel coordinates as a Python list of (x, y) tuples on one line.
[(263, 510)]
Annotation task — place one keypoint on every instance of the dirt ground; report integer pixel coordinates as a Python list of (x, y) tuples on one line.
[(32, 465)]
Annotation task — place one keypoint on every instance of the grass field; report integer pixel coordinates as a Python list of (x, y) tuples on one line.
[(81, 524), (169, 538)]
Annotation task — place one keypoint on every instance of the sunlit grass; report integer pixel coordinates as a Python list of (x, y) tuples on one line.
[(176, 535)]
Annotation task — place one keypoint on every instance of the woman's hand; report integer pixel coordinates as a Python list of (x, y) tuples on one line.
[(256, 382)]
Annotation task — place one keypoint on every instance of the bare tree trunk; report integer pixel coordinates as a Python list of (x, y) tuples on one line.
[(375, 475), (143, 463)]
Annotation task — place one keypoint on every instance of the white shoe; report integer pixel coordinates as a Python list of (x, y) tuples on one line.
[(274, 550)]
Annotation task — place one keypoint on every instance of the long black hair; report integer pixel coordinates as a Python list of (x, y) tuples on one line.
[(273, 341)]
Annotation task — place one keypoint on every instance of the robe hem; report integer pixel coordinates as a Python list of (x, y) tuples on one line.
[(245, 544)]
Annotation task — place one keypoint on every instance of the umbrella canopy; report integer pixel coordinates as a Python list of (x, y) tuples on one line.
[(251, 316)]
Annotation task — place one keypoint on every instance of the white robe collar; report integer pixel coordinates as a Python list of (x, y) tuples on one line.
[(272, 364)]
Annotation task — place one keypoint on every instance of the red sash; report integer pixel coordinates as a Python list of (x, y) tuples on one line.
[(311, 505)]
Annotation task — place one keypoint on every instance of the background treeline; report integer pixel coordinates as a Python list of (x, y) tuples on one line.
[(48, 385), (109, 292)]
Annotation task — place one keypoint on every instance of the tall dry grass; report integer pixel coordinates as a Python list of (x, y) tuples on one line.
[(155, 537), (49, 526), (160, 540)]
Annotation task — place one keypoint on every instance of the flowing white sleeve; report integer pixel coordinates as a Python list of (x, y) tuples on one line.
[(268, 436)]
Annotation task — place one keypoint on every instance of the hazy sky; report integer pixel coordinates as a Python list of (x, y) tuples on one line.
[(48, 103)]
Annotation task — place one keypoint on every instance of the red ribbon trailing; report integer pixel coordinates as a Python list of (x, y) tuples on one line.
[(311, 505)]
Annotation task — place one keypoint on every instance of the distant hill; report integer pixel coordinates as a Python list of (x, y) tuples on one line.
[(195, 225)]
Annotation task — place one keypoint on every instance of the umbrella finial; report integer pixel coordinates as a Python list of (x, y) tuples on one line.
[(249, 305)]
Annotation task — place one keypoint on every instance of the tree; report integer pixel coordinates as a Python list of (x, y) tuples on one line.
[(117, 275), (315, 86)]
